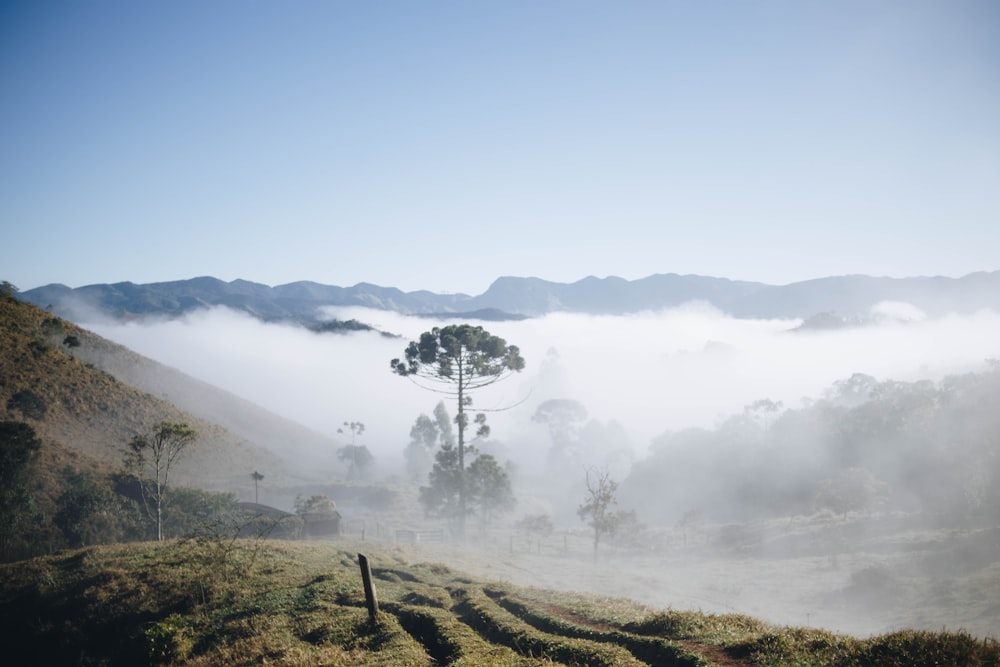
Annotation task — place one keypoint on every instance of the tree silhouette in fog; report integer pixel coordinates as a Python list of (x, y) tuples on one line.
[(456, 360), (596, 507), (256, 476)]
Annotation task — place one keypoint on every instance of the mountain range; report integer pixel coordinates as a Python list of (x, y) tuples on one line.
[(845, 297)]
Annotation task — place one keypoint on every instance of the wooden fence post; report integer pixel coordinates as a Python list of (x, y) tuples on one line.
[(366, 577)]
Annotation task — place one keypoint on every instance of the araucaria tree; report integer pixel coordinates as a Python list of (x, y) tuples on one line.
[(456, 360), (149, 458)]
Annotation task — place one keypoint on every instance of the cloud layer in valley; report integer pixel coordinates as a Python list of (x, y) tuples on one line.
[(652, 372)]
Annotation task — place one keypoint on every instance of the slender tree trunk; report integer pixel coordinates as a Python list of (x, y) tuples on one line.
[(461, 450), (159, 496)]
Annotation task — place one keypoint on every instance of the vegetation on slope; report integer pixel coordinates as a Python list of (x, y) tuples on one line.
[(224, 601), (44, 383), (239, 417), (70, 488)]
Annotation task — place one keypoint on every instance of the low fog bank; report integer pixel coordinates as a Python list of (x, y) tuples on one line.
[(837, 478), (643, 375), (866, 576)]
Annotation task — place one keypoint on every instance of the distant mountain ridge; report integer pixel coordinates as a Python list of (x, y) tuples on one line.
[(512, 297)]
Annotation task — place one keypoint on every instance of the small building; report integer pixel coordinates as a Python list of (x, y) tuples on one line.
[(314, 525), (318, 525)]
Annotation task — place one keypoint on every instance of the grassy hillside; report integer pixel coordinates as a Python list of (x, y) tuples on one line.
[(78, 408), (292, 442), (217, 601)]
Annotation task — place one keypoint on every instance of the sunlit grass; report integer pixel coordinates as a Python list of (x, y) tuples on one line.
[(283, 603)]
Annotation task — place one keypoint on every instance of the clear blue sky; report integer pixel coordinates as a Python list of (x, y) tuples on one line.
[(439, 145)]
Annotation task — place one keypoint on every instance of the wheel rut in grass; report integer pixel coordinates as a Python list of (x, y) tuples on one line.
[(449, 641), (654, 649), (498, 625), (424, 627)]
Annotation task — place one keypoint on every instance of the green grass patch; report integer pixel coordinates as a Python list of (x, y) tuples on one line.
[(709, 628)]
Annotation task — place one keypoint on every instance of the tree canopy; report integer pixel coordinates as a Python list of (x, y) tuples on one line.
[(459, 358), (19, 447), (149, 458)]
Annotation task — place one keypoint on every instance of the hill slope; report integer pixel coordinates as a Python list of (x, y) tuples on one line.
[(80, 398), (301, 449), (218, 602)]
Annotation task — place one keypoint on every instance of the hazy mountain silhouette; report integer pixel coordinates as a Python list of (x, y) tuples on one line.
[(844, 296)]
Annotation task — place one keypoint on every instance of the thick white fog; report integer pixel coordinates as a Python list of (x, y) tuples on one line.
[(651, 372)]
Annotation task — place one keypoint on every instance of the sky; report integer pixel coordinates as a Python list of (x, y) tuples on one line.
[(441, 145)]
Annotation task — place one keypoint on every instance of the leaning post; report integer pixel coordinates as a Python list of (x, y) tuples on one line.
[(366, 577)]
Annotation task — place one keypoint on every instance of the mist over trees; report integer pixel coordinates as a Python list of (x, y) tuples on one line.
[(865, 446), (579, 443), (563, 417), (487, 486), (359, 461), (595, 510), (426, 435)]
